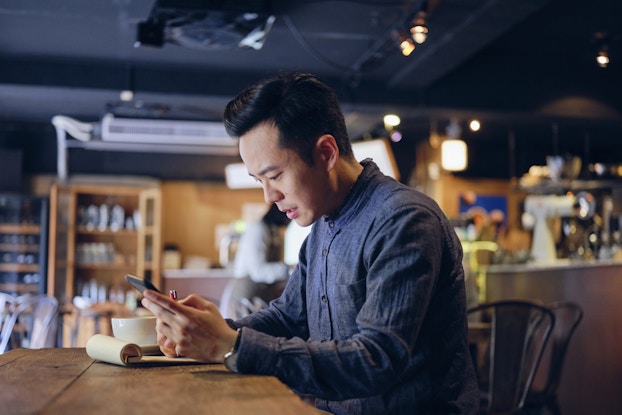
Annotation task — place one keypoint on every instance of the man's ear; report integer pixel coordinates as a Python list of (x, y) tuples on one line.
[(327, 151)]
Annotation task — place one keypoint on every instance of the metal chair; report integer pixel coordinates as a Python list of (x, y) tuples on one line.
[(243, 306), (238, 300), (7, 303), (507, 360), (568, 315), (30, 321)]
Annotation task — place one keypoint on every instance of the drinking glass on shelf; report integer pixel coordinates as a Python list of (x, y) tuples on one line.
[(104, 217), (117, 218), (92, 217)]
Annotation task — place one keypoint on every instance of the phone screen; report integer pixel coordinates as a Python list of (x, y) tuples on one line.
[(140, 284)]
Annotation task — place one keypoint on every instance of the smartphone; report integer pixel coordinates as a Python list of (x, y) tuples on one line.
[(140, 284)]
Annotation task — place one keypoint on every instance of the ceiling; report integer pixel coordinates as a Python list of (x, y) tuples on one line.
[(513, 63)]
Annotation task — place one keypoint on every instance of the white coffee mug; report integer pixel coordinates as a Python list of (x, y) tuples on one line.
[(139, 330)]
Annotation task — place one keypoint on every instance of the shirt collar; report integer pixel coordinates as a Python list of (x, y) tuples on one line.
[(356, 197)]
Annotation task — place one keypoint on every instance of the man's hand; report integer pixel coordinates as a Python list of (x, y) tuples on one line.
[(192, 327)]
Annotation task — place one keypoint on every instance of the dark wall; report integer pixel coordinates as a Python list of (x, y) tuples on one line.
[(10, 170)]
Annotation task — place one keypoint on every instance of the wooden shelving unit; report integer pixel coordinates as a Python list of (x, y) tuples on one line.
[(85, 252), (91, 253), (23, 243)]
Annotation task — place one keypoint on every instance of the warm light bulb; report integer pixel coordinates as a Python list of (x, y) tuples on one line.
[(407, 47), (419, 30), (474, 125), (419, 33), (602, 59)]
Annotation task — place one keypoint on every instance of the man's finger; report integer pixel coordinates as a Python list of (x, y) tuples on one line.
[(160, 301)]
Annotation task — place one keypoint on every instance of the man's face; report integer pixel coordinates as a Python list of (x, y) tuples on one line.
[(297, 189)]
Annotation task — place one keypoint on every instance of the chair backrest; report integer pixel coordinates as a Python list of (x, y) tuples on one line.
[(509, 358), (232, 305), (568, 315), (7, 304), (32, 319)]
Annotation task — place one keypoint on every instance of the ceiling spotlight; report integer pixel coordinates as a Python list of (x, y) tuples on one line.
[(419, 30), (126, 95), (396, 136), (390, 121), (406, 46), (603, 57), (474, 125)]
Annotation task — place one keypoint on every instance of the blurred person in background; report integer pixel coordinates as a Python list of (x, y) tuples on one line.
[(258, 266)]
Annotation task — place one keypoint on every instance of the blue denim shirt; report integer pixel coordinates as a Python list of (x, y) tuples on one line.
[(373, 319)]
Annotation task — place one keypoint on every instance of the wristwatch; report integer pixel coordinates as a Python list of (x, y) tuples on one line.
[(231, 358)]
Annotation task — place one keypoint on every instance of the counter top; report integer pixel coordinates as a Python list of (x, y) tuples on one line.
[(542, 266), (208, 283)]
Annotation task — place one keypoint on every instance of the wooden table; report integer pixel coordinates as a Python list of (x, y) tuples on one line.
[(67, 381)]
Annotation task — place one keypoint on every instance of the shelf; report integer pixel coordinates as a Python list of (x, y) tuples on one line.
[(19, 288), (19, 247), (23, 242), (548, 186), (11, 267), (83, 230), (17, 228), (106, 267)]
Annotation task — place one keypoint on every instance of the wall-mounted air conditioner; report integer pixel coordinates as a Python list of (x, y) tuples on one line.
[(169, 132), (141, 135)]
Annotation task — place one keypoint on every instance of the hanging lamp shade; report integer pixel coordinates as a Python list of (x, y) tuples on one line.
[(454, 155)]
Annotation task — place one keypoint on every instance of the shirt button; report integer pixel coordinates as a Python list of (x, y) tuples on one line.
[(324, 252), (331, 224), (324, 298)]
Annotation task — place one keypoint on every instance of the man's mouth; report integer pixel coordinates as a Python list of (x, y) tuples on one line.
[(292, 213)]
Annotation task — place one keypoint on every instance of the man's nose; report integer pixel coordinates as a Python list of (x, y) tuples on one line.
[(270, 194)]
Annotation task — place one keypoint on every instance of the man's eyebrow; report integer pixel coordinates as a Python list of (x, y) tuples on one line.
[(266, 170)]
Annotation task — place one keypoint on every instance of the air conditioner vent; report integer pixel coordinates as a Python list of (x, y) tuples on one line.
[(132, 130)]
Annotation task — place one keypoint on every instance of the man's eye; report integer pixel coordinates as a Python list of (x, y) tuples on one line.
[(275, 177)]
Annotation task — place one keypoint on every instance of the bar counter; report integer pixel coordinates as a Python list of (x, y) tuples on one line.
[(592, 375), (68, 381)]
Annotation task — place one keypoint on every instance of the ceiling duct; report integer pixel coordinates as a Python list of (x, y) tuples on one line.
[(207, 25)]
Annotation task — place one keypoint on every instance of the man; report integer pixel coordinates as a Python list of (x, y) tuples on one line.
[(373, 318)]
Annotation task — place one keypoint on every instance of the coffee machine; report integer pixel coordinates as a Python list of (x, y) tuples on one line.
[(541, 209), (539, 212)]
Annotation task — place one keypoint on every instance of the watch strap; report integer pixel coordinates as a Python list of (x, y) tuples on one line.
[(236, 346), (231, 358)]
